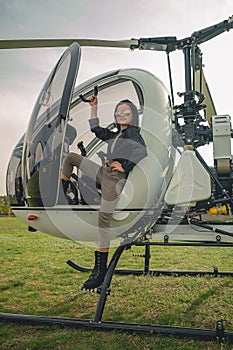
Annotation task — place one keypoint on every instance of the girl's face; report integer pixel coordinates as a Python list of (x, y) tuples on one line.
[(124, 115)]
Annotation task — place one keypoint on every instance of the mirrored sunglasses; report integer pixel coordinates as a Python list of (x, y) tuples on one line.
[(125, 113)]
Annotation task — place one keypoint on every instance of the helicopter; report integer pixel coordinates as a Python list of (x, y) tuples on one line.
[(59, 124), (167, 192)]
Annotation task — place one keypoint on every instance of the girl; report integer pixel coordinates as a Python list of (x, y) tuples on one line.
[(126, 148)]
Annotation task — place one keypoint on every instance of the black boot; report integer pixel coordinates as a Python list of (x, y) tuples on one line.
[(96, 278), (68, 192)]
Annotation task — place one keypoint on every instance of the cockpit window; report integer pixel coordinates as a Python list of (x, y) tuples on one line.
[(45, 134), (109, 95), (49, 100), (14, 176)]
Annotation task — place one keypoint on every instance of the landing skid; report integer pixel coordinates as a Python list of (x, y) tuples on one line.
[(218, 334), (147, 255)]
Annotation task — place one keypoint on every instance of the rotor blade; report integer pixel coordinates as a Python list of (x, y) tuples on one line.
[(204, 89), (211, 32), (40, 43)]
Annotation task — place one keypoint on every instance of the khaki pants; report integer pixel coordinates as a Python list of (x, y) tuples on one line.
[(111, 181)]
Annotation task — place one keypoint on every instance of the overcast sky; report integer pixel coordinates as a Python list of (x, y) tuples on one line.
[(23, 72)]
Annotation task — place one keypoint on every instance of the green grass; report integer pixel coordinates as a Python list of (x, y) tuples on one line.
[(35, 279)]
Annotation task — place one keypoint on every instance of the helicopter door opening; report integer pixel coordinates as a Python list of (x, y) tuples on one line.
[(110, 93), (147, 182), (45, 134)]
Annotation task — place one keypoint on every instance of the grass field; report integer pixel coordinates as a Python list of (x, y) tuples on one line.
[(35, 279)]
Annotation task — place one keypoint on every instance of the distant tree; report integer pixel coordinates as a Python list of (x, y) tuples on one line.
[(5, 208)]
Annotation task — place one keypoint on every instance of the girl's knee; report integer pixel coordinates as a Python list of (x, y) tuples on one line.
[(70, 156), (73, 158)]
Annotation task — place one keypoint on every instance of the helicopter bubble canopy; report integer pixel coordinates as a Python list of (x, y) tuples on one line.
[(59, 123)]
